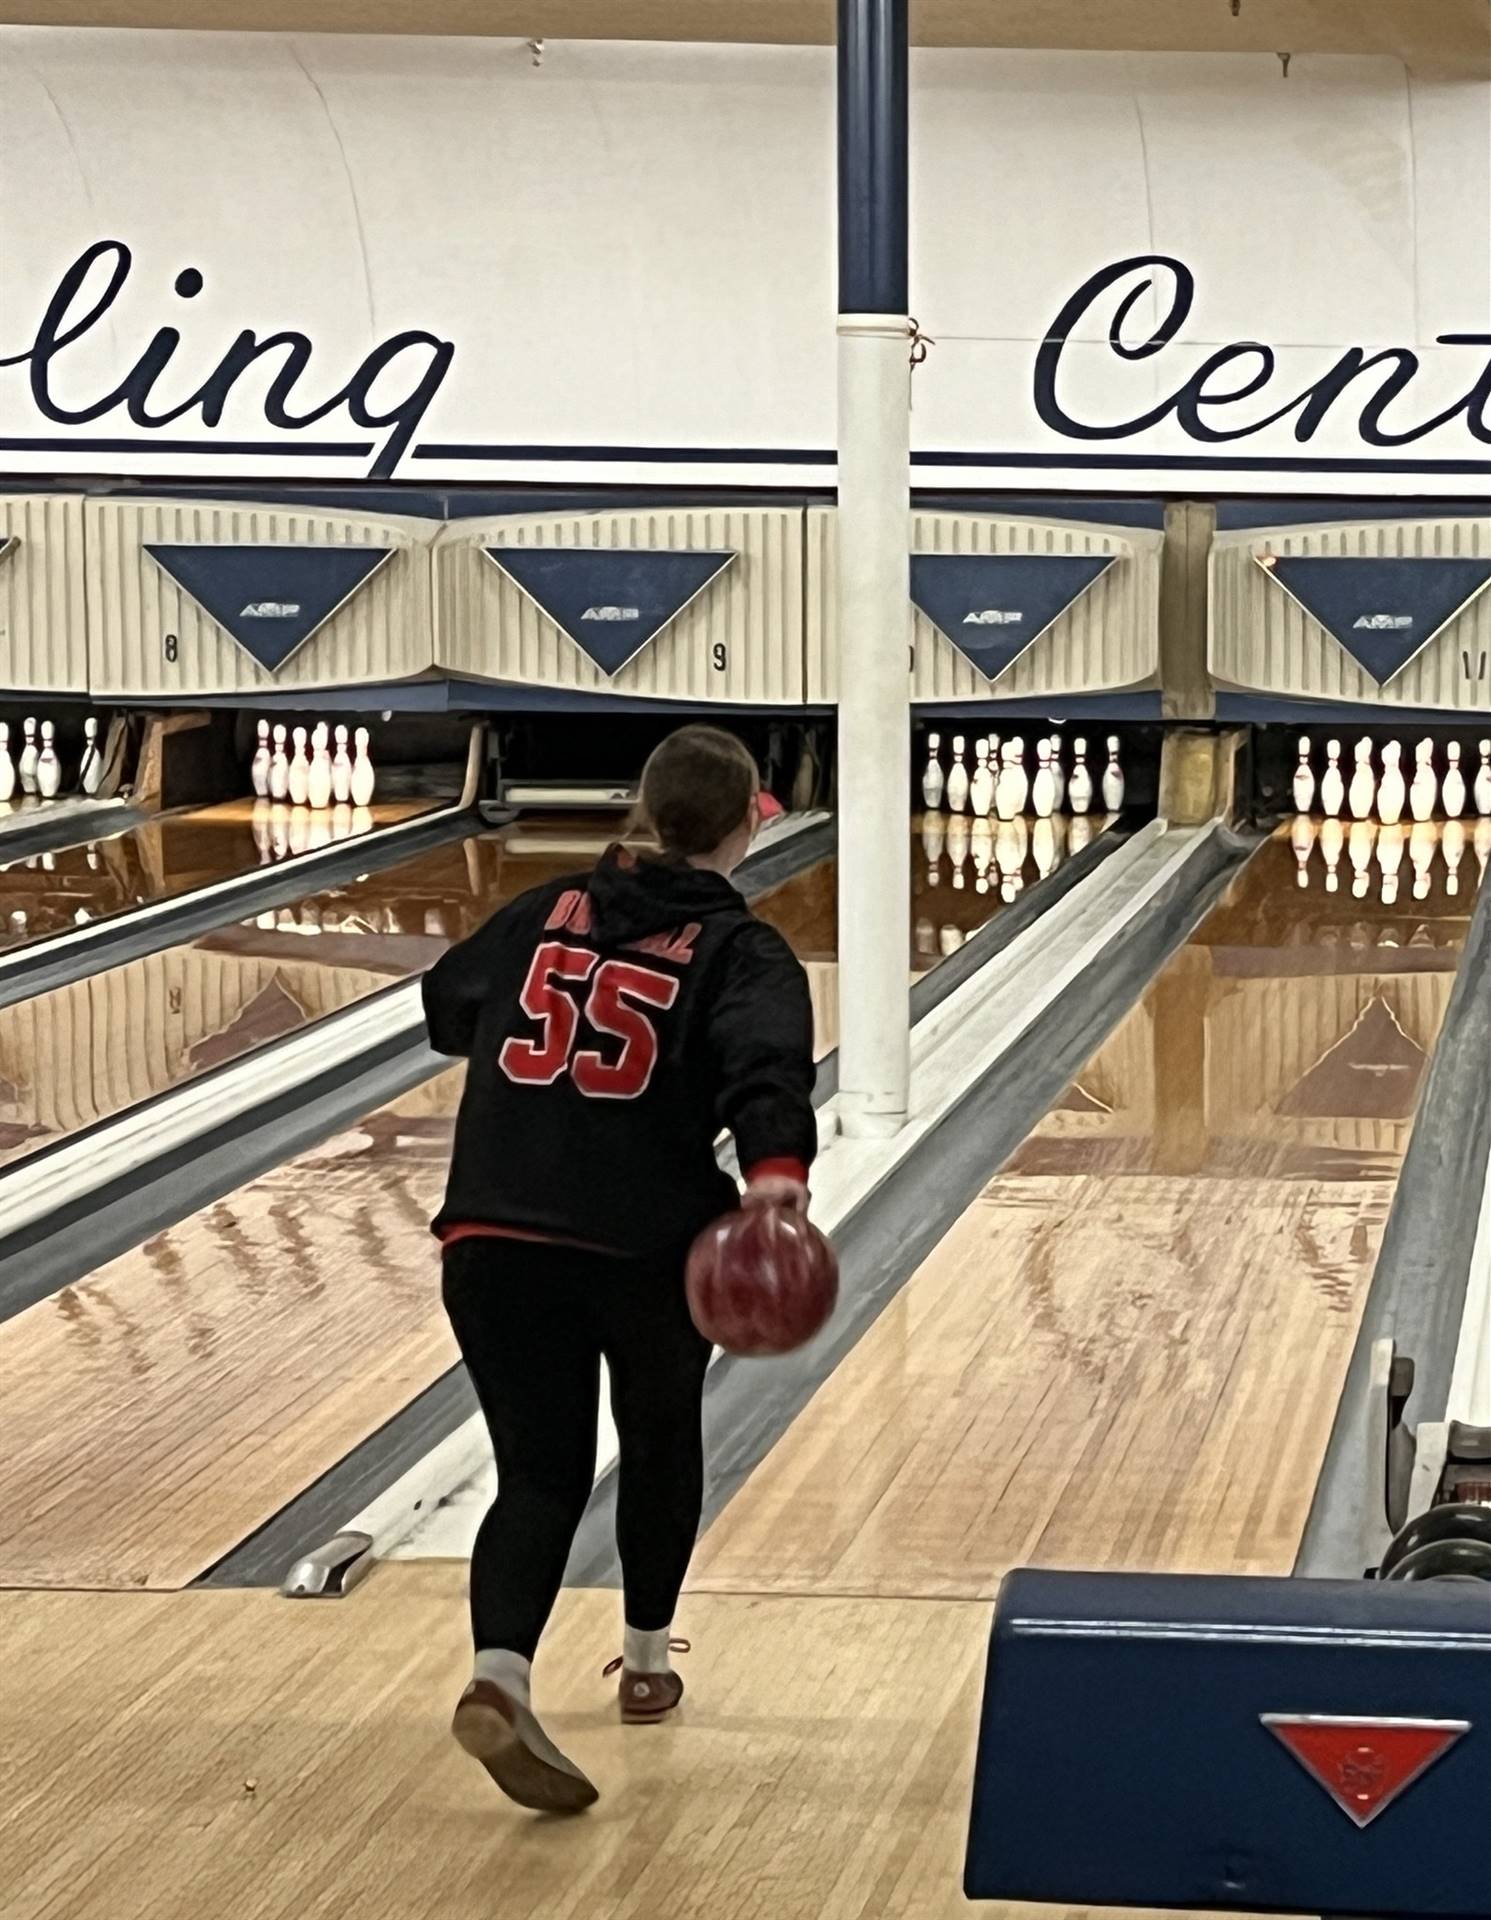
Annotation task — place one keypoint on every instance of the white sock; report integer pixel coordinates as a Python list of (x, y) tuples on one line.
[(509, 1670), (646, 1652)]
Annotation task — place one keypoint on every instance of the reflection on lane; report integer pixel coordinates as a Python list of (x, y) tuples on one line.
[(49, 893), (963, 870), (1290, 1037), (82, 1052)]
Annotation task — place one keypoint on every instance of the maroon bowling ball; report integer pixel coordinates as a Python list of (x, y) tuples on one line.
[(762, 1280)]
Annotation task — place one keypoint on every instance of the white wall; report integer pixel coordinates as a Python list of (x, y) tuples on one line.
[(633, 246)]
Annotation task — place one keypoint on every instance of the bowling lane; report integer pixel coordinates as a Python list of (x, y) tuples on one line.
[(50, 893), (177, 1399), (1128, 1352), (88, 1050)]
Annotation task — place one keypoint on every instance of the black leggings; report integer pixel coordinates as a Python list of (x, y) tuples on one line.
[(533, 1321)]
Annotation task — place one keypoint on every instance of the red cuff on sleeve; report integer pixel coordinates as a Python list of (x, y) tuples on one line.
[(787, 1168)]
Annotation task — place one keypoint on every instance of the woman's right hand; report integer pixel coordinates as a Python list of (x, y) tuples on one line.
[(777, 1190)]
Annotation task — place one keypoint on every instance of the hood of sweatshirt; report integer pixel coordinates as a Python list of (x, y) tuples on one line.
[(632, 896)]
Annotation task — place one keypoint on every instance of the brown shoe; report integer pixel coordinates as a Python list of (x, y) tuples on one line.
[(647, 1698), (507, 1739)]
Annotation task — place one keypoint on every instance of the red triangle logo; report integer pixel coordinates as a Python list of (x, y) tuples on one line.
[(1364, 1765)]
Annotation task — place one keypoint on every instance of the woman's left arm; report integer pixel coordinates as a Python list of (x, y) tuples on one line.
[(761, 1033)]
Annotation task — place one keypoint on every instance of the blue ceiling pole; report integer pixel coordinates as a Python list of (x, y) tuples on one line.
[(873, 206)]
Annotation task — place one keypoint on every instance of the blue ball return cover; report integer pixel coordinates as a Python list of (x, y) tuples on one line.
[(1293, 1746)]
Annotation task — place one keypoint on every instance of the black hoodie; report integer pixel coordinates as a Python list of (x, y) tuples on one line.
[(615, 1022)]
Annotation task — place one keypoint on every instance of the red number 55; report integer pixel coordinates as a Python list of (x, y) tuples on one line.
[(539, 1063)]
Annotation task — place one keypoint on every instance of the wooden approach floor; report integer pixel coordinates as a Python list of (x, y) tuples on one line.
[(175, 1757), (1126, 1353)]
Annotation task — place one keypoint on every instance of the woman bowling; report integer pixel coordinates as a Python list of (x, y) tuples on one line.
[(614, 1023)]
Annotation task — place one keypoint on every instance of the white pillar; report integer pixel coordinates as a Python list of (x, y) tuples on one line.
[(874, 758)]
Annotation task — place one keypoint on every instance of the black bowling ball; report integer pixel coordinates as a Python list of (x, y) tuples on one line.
[(1446, 1560), (1459, 1520)]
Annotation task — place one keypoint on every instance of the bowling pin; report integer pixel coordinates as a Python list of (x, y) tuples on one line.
[(1452, 793), (981, 847), (957, 778), (981, 785), (1359, 846), (48, 766), (1332, 839), (1079, 787), (341, 771), (1003, 786), (1421, 795), (259, 771), (1454, 853), (1483, 780), (299, 774), (1421, 845), (933, 781), (1391, 792), (318, 782), (1332, 787), (279, 767), (1058, 773), (1363, 788), (1113, 780), (957, 847), (1389, 860), (29, 757), (7, 765), (1302, 839), (1304, 779), (363, 777), (91, 772), (1043, 787), (1019, 779)]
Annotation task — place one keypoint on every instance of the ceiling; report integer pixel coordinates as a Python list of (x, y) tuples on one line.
[(1443, 34)]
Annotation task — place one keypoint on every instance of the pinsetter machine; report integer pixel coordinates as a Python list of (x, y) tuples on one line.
[(1303, 1746)]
